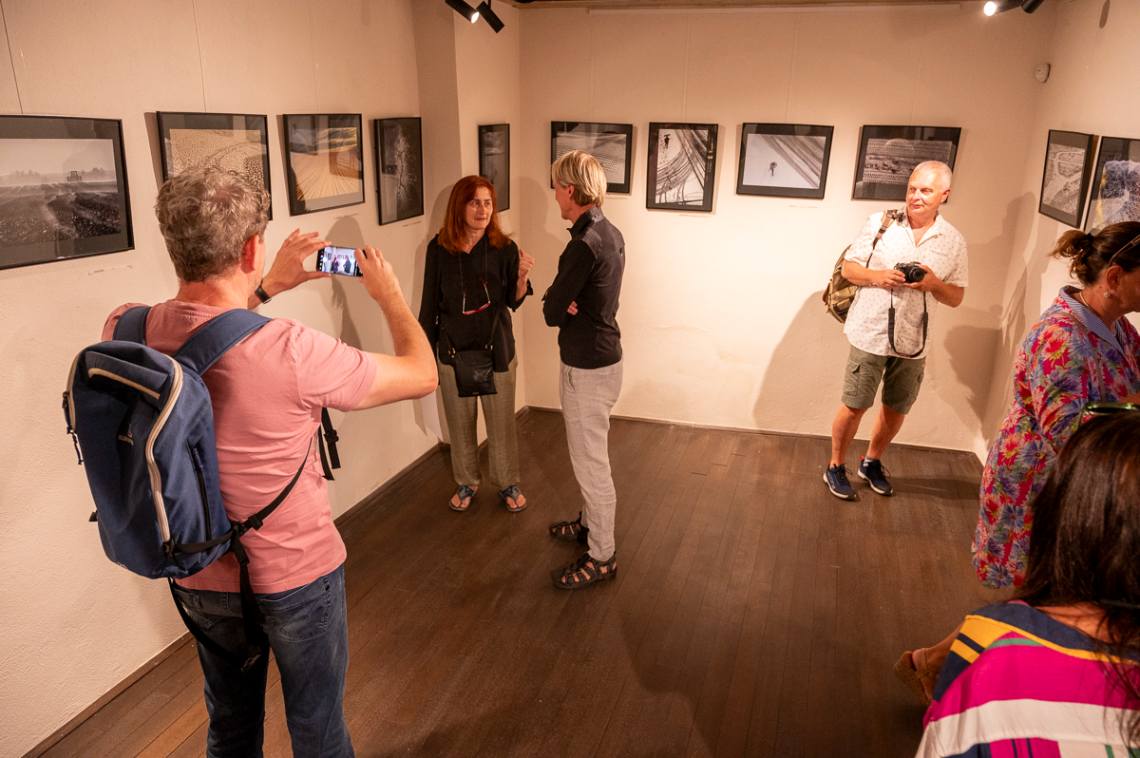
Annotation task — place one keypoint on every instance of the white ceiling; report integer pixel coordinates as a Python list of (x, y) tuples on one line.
[(715, 3)]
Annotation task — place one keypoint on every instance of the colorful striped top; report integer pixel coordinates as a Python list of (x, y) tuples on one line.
[(1019, 683)]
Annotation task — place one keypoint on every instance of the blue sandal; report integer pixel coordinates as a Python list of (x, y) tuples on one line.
[(465, 495)]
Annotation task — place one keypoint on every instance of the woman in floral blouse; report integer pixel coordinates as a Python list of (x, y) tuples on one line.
[(1082, 350)]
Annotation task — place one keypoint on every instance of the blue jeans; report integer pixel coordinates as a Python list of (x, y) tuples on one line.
[(307, 629)]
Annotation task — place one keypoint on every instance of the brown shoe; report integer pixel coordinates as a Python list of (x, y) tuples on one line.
[(918, 678), (584, 572)]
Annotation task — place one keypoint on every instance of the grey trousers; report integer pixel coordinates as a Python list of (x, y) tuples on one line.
[(588, 395), (499, 417)]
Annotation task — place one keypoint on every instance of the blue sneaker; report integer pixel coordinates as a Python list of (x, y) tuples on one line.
[(871, 470), (836, 480)]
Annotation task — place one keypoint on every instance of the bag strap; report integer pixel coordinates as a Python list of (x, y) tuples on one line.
[(327, 437), (888, 218), (891, 328), (211, 341), (131, 326)]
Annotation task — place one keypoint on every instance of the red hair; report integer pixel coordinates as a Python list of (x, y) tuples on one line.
[(454, 232)]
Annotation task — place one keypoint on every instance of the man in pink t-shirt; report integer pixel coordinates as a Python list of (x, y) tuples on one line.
[(267, 393)]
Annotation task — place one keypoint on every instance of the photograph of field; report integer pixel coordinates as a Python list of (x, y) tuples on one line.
[(888, 155), (59, 197), (229, 141)]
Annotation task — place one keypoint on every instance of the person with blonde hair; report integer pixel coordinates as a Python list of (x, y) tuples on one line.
[(583, 303)]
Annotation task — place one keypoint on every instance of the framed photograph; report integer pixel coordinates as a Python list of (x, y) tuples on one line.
[(63, 189), (887, 155), (611, 144), (1065, 178), (232, 141), (1116, 184), (324, 160), (784, 160), (495, 160), (681, 167), (399, 168)]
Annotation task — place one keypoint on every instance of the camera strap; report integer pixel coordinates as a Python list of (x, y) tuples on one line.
[(891, 328)]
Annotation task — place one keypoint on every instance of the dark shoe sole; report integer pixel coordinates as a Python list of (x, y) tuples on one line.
[(884, 493), (840, 495), (556, 574)]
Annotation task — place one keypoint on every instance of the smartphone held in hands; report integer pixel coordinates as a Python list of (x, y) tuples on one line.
[(338, 260)]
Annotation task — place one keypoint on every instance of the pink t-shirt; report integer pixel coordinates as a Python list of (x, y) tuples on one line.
[(267, 394)]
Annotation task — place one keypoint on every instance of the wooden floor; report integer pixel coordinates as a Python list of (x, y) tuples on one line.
[(753, 613)]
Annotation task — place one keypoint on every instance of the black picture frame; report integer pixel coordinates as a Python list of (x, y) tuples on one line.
[(63, 189), (784, 160), (611, 144), (324, 161), (495, 161), (689, 151), (398, 148), (1115, 184), (1065, 176), (888, 155), (233, 141)]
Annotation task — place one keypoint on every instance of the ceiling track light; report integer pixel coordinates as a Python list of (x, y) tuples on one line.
[(488, 15), (463, 9), (993, 7)]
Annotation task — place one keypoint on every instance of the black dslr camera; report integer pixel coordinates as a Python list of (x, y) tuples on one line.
[(912, 271)]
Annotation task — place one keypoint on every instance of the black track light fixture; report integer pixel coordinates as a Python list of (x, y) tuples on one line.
[(463, 9), (488, 15), (993, 7)]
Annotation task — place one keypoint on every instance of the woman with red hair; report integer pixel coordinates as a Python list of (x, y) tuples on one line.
[(473, 278)]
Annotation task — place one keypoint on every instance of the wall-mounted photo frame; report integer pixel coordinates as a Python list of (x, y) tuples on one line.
[(784, 160), (888, 154), (236, 142), (495, 160), (398, 146), (1065, 178), (63, 189), (1116, 184), (324, 160), (681, 170), (611, 144)]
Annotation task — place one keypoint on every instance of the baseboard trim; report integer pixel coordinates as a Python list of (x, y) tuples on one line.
[(751, 430), (108, 696)]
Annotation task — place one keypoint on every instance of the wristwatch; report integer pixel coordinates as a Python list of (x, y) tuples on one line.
[(262, 295)]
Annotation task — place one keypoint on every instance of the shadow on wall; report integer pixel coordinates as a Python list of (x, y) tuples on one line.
[(1021, 309), (791, 389)]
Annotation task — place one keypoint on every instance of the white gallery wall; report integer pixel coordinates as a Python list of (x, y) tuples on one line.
[(720, 313), (73, 625), (1092, 89)]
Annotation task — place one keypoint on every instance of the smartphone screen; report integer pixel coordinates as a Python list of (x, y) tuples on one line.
[(337, 260)]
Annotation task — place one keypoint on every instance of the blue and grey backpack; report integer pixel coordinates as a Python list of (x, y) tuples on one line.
[(143, 427)]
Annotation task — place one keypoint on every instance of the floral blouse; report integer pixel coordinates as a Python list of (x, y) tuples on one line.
[(1069, 358)]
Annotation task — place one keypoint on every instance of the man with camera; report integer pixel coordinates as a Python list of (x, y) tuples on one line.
[(918, 261), (267, 394)]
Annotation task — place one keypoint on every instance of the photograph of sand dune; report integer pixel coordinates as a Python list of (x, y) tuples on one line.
[(324, 161), (63, 189), (682, 166), (231, 141), (611, 144), (784, 160)]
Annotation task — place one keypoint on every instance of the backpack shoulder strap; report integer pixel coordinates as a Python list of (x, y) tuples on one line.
[(216, 336), (888, 219), (131, 326)]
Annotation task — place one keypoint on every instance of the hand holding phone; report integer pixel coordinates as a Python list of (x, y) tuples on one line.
[(338, 260)]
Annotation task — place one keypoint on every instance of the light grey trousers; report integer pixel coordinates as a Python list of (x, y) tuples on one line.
[(499, 417), (588, 396)]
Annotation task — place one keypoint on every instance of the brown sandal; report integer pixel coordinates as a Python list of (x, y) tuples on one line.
[(918, 679), (584, 572), (511, 497), (570, 531), (464, 494)]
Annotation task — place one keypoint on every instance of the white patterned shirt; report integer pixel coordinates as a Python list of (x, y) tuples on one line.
[(942, 248)]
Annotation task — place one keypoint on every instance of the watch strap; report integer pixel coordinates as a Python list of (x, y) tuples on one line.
[(262, 295)]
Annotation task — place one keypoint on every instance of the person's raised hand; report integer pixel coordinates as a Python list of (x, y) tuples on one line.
[(288, 269), (379, 277), (526, 263)]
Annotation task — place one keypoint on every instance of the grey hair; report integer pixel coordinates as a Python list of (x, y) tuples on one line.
[(945, 175), (581, 170), (206, 215)]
